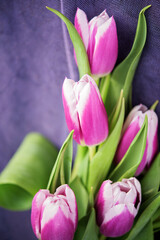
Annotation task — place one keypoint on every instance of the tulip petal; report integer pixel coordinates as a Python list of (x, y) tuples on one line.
[(132, 114), (92, 114), (71, 200), (152, 141), (104, 200), (82, 27), (37, 203), (94, 24), (69, 103), (105, 49), (58, 228), (117, 221), (152, 135), (127, 139)]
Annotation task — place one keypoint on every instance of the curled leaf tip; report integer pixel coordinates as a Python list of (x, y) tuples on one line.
[(145, 8), (153, 107)]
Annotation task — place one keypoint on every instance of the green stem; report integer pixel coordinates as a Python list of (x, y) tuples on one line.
[(105, 87), (81, 153), (92, 151)]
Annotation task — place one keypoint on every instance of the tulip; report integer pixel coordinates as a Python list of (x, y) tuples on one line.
[(117, 205), (54, 216), (131, 127), (84, 111), (100, 40)]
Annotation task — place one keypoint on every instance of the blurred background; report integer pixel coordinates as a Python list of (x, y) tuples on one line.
[(35, 56)]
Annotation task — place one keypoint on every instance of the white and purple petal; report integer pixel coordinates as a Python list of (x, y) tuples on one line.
[(37, 203), (66, 191), (117, 221), (92, 114), (117, 205), (127, 139), (82, 26), (58, 227), (70, 109), (105, 51)]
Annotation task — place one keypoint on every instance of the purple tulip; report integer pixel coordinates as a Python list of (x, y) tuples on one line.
[(117, 205), (54, 216), (84, 111), (100, 39), (131, 127)]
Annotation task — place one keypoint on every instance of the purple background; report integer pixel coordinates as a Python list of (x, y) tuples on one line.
[(35, 56)]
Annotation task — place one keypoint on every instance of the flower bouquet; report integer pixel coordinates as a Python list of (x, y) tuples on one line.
[(112, 189)]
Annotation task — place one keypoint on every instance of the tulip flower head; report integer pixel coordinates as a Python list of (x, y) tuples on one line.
[(99, 36), (84, 111), (131, 127), (54, 216), (117, 205)]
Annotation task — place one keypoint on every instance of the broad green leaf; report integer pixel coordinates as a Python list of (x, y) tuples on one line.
[(156, 220), (27, 172), (102, 160), (156, 226), (156, 216), (81, 228), (146, 232), (87, 229), (146, 203), (151, 180), (81, 196), (131, 160), (64, 159), (81, 55), (123, 74), (144, 218)]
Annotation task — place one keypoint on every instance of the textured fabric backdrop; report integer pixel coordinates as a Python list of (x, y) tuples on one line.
[(35, 56)]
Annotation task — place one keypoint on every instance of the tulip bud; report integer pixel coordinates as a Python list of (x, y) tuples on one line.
[(54, 216), (131, 127), (84, 111), (117, 205), (100, 39)]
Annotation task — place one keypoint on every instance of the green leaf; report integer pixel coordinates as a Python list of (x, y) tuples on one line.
[(146, 232), (123, 74), (81, 55), (81, 196), (153, 107), (145, 217), (156, 216), (115, 114), (104, 86), (131, 160), (102, 160), (27, 172), (151, 180), (64, 159), (156, 220), (87, 229), (65, 172), (80, 167)]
